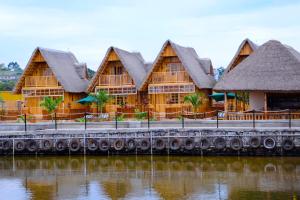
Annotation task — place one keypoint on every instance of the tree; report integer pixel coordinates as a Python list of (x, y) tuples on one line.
[(101, 97), (7, 85), (91, 73), (196, 99), (219, 72), (15, 67), (244, 97), (51, 104), (3, 67)]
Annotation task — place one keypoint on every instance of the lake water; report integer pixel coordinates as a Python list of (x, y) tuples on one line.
[(146, 177)]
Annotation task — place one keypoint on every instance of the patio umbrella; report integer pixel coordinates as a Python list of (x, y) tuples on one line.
[(88, 99), (220, 96)]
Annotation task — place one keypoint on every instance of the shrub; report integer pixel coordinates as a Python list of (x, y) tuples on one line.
[(140, 115)]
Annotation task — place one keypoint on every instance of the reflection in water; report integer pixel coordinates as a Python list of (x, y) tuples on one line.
[(146, 177)]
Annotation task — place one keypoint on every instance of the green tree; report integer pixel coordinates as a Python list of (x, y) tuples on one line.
[(244, 97), (196, 99), (51, 104), (7, 85), (15, 67), (219, 72), (91, 73), (139, 115), (3, 67), (102, 98)]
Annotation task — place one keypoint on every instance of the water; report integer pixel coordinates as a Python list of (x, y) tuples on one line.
[(146, 177)]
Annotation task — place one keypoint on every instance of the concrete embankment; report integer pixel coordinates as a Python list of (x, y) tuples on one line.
[(168, 141)]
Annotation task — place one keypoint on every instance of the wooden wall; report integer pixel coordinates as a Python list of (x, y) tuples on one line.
[(164, 102), (245, 51), (38, 67), (130, 100)]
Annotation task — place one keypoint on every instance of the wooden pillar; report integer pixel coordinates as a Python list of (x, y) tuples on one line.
[(236, 103), (265, 106), (265, 102), (225, 102)]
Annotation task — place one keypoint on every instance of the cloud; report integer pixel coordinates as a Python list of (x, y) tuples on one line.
[(214, 28)]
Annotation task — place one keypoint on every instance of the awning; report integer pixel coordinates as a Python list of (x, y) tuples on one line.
[(88, 99), (220, 96)]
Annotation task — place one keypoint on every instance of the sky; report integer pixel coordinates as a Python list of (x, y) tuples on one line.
[(215, 28)]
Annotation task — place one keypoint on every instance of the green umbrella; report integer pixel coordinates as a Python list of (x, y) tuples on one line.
[(220, 96), (88, 99)]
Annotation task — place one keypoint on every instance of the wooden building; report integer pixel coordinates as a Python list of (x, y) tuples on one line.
[(270, 75), (177, 72), (246, 48), (10, 105), (121, 74), (54, 74)]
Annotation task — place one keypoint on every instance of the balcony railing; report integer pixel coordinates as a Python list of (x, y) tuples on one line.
[(115, 80), (170, 77), (121, 90), (171, 88), (37, 92), (41, 81)]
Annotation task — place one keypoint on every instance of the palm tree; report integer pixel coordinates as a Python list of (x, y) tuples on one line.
[(196, 99), (101, 98), (51, 104)]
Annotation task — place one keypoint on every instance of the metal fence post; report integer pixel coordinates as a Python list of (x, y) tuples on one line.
[(182, 121), (253, 116), (217, 119), (290, 119), (84, 120), (148, 119), (116, 120), (25, 122), (55, 122)]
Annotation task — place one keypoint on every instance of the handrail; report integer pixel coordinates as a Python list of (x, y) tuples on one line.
[(169, 77), (273, 115), (122, 79), (40, 81)]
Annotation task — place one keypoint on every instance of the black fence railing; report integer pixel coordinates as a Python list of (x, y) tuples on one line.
[(212, 119)]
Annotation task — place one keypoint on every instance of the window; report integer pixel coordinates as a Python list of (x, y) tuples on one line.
[(119, 90), (174, 67), (42, 92), (188, 88), (47, 72), (121, 100), (173, 98), (118, 70)]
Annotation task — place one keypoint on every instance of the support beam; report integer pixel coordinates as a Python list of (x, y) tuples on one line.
[(265, 102), (225, 102), (236, 103)]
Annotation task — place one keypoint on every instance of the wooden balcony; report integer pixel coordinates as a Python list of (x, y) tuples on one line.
[(171, 88), (115, 80), (118, 90), (37, 92), (41, 81), (170, 77)]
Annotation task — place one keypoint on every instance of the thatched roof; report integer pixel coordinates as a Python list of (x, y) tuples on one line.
[(133, 62), (71, 74), (272, 67), (200, 70)]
